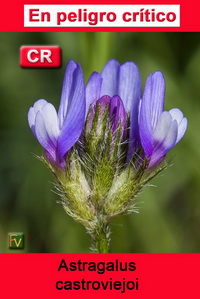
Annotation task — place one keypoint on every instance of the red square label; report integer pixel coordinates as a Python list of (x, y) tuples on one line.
[(40, 56)]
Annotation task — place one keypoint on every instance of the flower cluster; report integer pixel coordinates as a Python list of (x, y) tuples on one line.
[(106, 141)]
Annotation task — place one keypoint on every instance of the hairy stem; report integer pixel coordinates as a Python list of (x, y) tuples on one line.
[(101, 237)]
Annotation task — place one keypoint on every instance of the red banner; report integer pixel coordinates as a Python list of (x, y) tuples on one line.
[(132, 16), (99, 275)]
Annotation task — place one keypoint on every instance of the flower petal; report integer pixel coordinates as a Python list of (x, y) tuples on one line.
[(181, 121), (129, 85), (157, 97), (39, 104), (129, 91), (170, 139), (162, 127), (145, 127), (74, 121), (104, 102), (93, 89), (31, 119), (43, 137), (117, 114), (151, 108), (32, 113), (110, 75), (50, 119), (165, 136), (69, 84)]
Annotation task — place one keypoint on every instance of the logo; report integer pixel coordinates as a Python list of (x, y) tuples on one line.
[(16, 240), (40, 56)]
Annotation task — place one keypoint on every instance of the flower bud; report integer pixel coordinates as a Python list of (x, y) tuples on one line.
[(105, 125)]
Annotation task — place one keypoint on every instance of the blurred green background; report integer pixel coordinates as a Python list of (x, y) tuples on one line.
[(169, 218)]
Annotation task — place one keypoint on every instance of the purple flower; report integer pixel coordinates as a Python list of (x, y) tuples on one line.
[(57, 133), (159, 130), (122, 83), (117, 88)]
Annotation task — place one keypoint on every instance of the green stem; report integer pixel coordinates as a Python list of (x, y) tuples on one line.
[(101, 237)]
